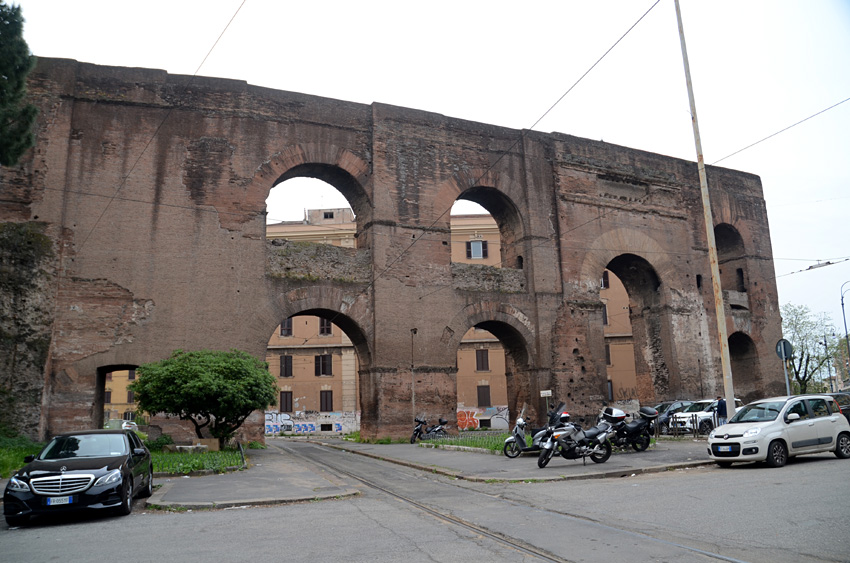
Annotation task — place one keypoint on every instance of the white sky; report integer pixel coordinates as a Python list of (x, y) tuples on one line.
[(757, 67)]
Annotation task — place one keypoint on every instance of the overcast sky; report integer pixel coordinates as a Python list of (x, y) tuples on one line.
[(757, 67)]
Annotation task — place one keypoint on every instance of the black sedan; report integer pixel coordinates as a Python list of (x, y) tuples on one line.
[(89, 469)]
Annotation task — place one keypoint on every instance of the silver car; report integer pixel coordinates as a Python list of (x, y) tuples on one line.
[(775, 429)]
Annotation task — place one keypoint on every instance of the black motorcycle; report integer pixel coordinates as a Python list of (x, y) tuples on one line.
[(636, 433), (424, 432)]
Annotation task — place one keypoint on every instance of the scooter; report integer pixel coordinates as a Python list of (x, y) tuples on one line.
[(571, 442), (516, 443), (636, 433), (424, 432)]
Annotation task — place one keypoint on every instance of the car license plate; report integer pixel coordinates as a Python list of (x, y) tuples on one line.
[(724, 448), (53, 501)]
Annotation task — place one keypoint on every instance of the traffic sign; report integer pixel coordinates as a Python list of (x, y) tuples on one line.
[(784, 349)]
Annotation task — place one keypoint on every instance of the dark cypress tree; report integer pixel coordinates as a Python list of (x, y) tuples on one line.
[(16, 116)]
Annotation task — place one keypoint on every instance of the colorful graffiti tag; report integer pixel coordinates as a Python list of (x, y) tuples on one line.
[(470, 418)]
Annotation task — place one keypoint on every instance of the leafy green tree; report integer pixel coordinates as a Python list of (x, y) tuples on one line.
[(807, 335), (210, 388), (16, 116)]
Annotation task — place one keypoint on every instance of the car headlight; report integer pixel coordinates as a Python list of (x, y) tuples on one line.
[(109, 479), (752, 432), (711, 435), (16, 484)]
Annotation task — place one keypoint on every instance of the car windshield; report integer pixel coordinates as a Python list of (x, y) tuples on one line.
[(84, 445), (758, 412), (698, 407)]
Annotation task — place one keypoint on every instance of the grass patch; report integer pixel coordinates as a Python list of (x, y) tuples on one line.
[(13, 450), (181, 463), (490, 441)]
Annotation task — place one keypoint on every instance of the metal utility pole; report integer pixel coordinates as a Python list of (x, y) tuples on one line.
[(719, 308), (846, 340)]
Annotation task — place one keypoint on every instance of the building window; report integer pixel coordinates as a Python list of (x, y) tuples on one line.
[(476, 249), (130, 397), (482, 360), (285, 365), (131, 375), (739, 279), (608, 354), (324, 365), (286, 327), (484, 396), (129, 415), (328, 214), (605, 314), (325, 327), (109, 376), (326, 401), (699, 281), (605, 281), (107, 397), (285, 401)]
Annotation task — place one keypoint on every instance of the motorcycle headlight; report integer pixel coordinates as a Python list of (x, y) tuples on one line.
[(752, 432), (16, 484), (110, 478)]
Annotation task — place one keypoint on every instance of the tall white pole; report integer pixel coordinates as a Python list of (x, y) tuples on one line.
[(719, 308)]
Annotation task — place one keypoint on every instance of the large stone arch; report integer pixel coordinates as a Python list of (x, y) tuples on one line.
[(641, 263), (515, 332), (731, 258), (348, 310)]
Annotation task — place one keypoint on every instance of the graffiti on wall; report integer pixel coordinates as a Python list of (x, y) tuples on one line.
[(469, 418), (312, 422)]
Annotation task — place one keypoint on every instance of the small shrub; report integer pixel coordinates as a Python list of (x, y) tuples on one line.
[(255, 445), (13, 450), (157, 445)]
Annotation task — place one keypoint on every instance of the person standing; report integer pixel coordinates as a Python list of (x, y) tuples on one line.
[(721, 411)]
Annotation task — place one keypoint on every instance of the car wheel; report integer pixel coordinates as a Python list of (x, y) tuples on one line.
[(705, 427), (777, 454), (642, 442), (543, 458), (603, 457), (148, 490), (664, 428), (16, 521), (724, 464), (126, 498), (512, 449), (842, 446)]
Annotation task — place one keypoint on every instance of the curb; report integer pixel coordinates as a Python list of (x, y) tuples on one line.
[(478, 479)]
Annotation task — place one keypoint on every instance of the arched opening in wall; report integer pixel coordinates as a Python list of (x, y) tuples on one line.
[(731, 259), (316, 356), (650, 328), (492, 364), (744, 361), (619, 342), (486, 229), (314, 203), (112, 399)]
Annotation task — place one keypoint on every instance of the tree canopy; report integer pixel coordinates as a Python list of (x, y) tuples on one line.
[(211, 388), (16, 116), (814, 347)]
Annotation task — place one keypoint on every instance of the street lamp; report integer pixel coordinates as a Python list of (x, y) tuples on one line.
[(846, 341)]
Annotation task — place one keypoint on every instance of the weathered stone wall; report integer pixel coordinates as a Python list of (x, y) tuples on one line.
[(151, 188)]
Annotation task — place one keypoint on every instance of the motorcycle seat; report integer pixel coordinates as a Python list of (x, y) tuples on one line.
[(591, 432)]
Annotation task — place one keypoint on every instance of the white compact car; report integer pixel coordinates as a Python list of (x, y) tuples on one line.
[(775, 429)]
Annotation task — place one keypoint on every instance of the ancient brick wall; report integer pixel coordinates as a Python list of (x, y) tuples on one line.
[(153, 186)]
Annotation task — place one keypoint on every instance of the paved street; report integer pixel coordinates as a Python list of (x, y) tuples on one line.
[(703, 513)]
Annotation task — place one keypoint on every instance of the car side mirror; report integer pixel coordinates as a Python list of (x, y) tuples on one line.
[(29, 458), (138, 451), (792, 417)]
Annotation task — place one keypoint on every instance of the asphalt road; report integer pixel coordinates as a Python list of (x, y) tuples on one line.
[(746, 513)]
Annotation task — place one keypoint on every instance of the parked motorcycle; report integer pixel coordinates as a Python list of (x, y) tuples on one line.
[(424, 432), (636, 433), (572, 442), (516, 443)]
